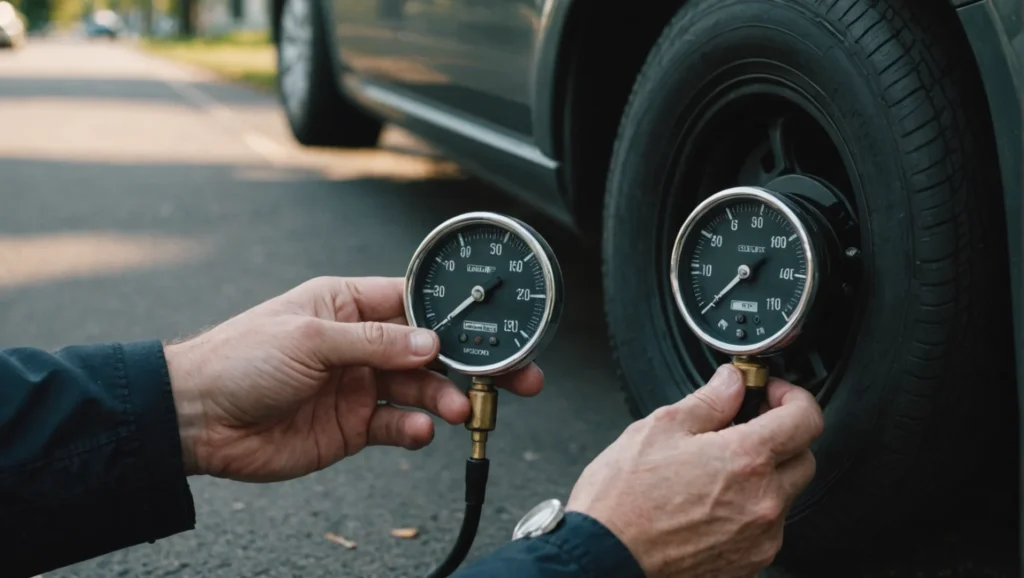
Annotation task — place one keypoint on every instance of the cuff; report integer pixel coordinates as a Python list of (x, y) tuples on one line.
[(596, 550), (170, 505)]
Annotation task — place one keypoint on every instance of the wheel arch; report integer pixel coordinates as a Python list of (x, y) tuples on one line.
[(986, 24)]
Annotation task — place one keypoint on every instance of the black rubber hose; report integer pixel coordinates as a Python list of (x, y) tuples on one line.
[(751, 408), (476, 488)]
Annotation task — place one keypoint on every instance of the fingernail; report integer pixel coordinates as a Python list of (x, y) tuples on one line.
[(421, 342), (727, 378)]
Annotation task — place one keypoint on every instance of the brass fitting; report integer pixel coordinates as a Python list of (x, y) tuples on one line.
[(483, 413), (755, 373)]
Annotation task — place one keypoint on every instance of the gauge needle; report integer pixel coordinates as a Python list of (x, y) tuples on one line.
[(742, 273), (478, 293)]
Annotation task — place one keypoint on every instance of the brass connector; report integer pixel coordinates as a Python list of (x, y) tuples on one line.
[(755, 373), (483, 413)]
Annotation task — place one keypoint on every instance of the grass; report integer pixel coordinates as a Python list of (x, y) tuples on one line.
[(246, 57)]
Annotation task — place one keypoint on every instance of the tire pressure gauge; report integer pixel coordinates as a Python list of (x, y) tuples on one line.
[(745, 271), (490, 287)]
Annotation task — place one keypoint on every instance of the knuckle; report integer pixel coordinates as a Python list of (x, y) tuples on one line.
[(374, 334), (711, 403), (309, 329), (665, 414), (769, 510), (749, 459)]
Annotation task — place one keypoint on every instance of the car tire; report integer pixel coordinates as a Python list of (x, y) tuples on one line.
[(318, 112), (914, 393)]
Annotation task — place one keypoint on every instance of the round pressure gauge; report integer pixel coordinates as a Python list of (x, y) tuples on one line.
[(745, 270), (490, 287)]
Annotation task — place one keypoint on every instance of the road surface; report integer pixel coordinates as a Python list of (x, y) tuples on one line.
[(142, 199)]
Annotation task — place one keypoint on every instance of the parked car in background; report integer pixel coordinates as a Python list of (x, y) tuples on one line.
[(618, 119), (104, 24), (12, 26)]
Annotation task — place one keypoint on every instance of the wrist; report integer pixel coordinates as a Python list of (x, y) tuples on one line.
[(187, 402)]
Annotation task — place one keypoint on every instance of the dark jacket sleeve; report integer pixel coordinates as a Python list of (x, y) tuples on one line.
[(581, 547), (90, 458)]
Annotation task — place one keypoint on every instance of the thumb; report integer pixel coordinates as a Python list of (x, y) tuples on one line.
[(713, 406), (375, 344)]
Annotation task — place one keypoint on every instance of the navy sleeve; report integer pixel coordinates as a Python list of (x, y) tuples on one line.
[(580, 547), (90, 458)]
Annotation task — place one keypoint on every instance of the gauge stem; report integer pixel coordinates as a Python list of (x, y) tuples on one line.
[(483, 413), (755, 379)]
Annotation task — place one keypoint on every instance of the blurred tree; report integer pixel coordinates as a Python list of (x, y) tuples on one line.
[(186, 17), (37, 12)]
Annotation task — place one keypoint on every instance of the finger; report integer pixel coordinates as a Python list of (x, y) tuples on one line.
[(526, 382), (434, 365), (427, 390), (711, 407), (795, 474), (390, 426), (364, 298), (371, 343), (792, 423)]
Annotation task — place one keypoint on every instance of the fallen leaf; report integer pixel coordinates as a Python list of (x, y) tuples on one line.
[(406, 533), (340, 540)]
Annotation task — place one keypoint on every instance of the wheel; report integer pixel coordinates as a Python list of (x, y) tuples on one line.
[(874, 104), (319, 114)]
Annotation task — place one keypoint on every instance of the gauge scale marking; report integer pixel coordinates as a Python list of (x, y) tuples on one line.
[(743, 271), (481, 285)]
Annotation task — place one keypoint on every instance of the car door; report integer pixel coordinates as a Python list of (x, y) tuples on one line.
[(472, 57)]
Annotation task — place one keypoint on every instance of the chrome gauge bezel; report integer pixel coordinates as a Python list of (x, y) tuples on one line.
[(792, 329), (550, 270)]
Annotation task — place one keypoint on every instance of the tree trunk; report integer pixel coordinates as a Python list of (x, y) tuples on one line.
[(187, 17)]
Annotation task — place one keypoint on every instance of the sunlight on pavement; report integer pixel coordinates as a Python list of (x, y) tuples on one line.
[(32, 259), (111, 104)]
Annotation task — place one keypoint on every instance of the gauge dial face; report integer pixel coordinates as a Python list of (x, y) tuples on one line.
[(483, 290), (742, 273)]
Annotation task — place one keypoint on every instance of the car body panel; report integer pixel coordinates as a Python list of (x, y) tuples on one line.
[(461, 74), (473, 55), (996, 32)]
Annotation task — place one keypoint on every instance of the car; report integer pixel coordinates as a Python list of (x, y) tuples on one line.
[(12, 27), (104, 23), (618, 120)]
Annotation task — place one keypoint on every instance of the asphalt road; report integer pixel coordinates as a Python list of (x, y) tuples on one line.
[(142, 199)]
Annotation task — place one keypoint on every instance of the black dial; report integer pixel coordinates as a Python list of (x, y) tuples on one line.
[(743, 270), (484, 289)]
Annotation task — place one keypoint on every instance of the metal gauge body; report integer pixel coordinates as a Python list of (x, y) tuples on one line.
[(745, 269), (490, 287)]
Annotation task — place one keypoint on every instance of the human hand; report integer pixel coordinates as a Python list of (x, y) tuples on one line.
[(689, 500), (292, 385)]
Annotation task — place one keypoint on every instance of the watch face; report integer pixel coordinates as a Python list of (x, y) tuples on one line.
[(543, 518)]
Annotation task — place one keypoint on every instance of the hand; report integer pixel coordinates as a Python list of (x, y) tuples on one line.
[(689, 500), (292, 385)]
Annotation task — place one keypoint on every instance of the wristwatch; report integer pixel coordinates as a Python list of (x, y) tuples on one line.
[(542, 519)]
